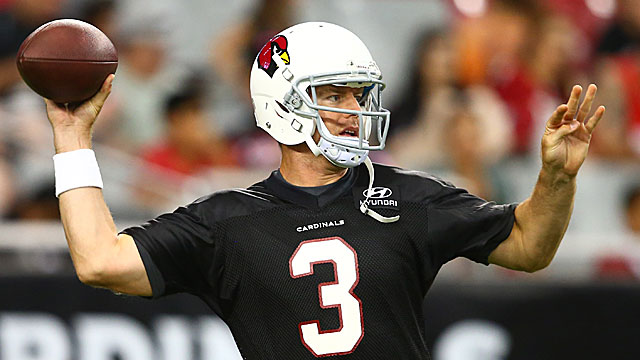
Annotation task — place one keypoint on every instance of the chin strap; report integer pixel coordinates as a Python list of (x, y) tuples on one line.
[(312, 145), (365, 204)]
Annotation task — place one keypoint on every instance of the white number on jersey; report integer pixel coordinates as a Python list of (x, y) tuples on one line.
[(338, 293)]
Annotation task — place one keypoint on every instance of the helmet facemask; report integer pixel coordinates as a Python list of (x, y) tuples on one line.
[(373, 119)]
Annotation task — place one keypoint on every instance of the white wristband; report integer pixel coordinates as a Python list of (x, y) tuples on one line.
[(76, 169)]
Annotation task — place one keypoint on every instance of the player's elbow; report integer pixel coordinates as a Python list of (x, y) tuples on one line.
[(533, 254), (92, 275), (534, 268), (87, 278), (537, 265), (97, 273)]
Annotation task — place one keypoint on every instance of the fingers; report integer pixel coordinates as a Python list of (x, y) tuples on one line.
[(565, 130), (565, 114), (556, 118), (585, 108), (595, 119), (572, 104)]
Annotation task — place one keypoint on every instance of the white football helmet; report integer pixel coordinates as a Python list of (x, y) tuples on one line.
[(284, 78)]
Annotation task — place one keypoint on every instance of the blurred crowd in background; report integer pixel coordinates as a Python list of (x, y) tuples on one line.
[(470, 86)]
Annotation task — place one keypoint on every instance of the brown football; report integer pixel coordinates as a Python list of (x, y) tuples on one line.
[(66, 60)]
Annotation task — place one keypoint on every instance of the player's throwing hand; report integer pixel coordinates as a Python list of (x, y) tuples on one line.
[(72, 124), (568, 132)]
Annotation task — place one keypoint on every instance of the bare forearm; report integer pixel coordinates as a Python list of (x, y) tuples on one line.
[(543, 218), (89, 227)]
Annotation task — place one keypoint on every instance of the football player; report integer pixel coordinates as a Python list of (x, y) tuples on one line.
[(330, 255)]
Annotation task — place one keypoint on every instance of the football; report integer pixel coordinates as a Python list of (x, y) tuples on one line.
[(66, 60)]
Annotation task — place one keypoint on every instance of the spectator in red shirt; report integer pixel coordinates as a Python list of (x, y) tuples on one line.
[(190, 145)]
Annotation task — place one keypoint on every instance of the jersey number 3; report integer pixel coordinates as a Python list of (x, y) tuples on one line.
[(338, 293)]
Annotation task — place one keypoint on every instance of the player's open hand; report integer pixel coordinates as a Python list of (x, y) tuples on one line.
[(568, 132), (81, 116), (72, 124)]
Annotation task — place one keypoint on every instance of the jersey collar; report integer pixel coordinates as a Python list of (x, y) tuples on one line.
[(302, 196)]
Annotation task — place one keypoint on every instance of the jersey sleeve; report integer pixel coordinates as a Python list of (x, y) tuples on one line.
[(461, 224), (178, 251)]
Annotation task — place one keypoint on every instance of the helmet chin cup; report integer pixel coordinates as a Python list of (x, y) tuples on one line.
[(341, 155)]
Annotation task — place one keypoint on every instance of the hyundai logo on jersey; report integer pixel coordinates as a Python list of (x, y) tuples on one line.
[(378, 192), (379, 197)]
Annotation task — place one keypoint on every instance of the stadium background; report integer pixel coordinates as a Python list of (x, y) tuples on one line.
[(506, 64)]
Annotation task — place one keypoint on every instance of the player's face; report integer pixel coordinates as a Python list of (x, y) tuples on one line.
[(342, 97)]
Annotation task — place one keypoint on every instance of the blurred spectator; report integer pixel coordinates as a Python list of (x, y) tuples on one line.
[(494, 45), (233, 52), (467, 168), (145, 76), (632, 209), (507, 72), (549, 78), (42, 204), (28, 142), (624, 32), (432, 99), (189, 148), (623, 261), (17, 21), (492, 51), (551, 58), (189, 145), (7, 185), (431, 70), (527, 56), (619, 79)]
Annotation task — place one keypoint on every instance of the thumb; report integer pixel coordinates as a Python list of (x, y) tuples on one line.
[(556, 118), (565, 129)]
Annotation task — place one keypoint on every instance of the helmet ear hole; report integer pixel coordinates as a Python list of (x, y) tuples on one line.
[(284, 108)]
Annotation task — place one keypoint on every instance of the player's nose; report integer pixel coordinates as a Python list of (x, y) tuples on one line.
[(351, 102)]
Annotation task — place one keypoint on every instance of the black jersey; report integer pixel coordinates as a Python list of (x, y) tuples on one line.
[(298, 276)]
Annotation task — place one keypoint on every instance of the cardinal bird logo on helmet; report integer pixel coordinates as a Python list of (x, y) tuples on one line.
[(276, 46)]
